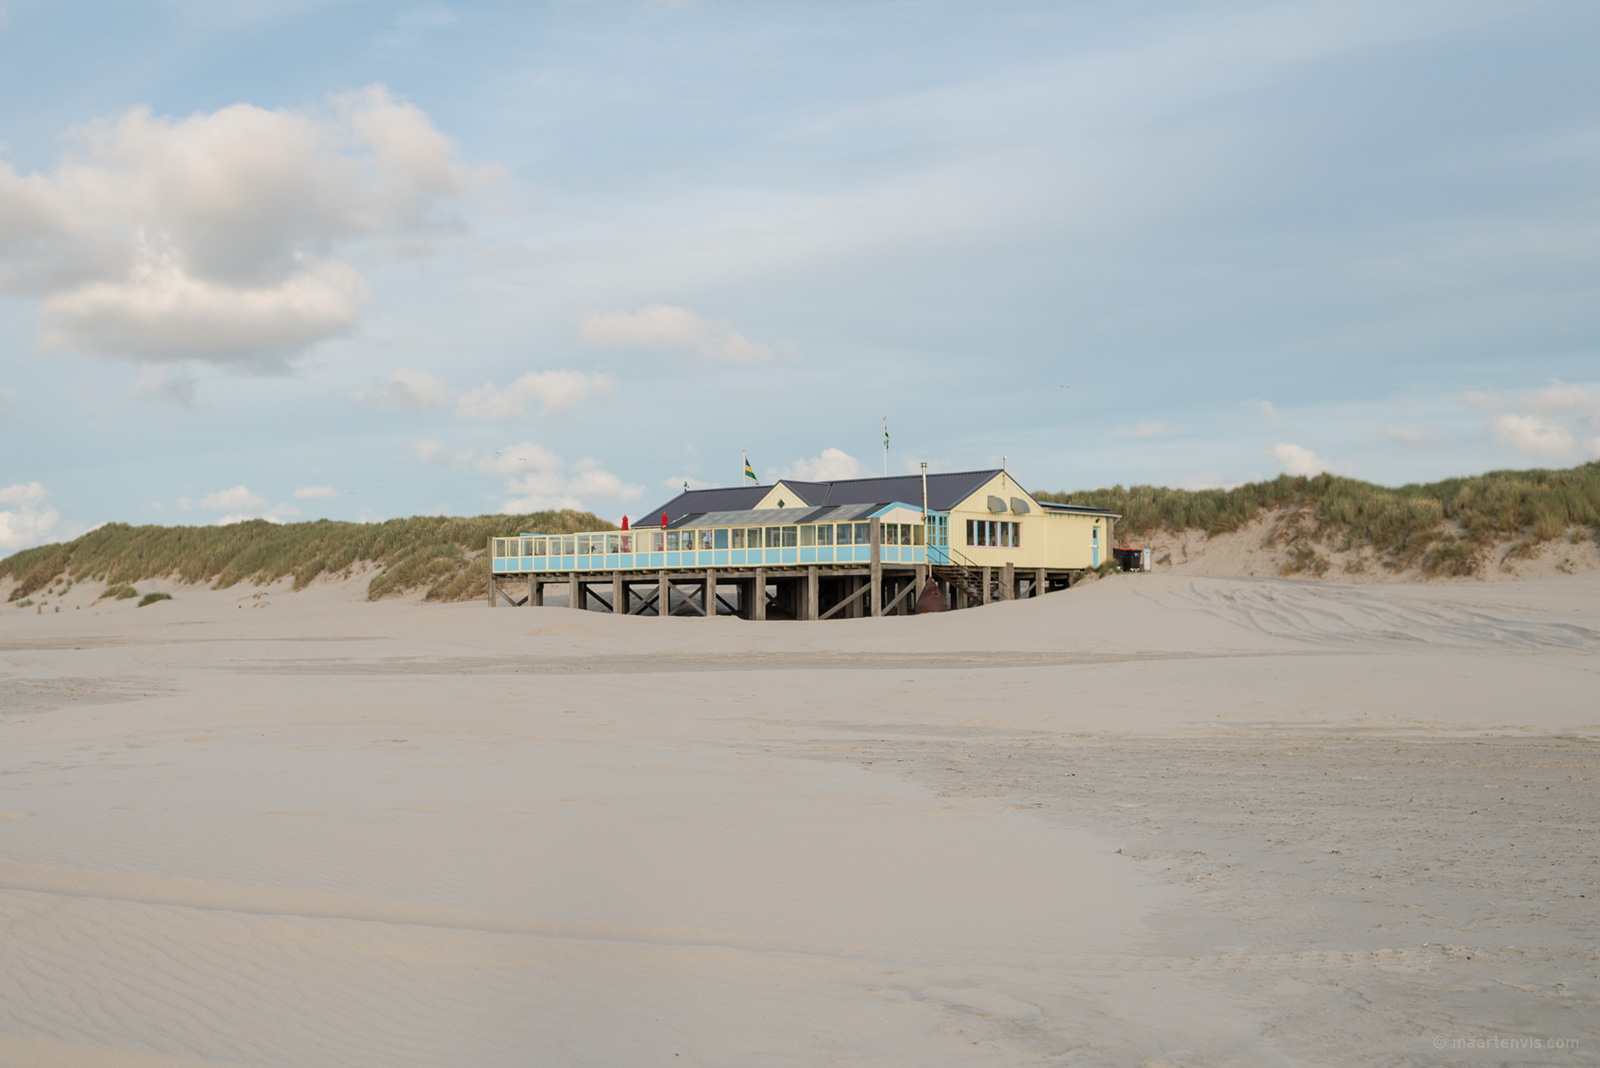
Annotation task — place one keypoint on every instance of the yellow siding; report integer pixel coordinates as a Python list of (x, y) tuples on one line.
[(1052, 540), (780, 492)]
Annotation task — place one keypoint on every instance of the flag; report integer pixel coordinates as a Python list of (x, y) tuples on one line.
[(886, 435), (750, 472)]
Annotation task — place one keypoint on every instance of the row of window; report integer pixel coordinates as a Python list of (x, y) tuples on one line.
[(655, 541), (994, 532)]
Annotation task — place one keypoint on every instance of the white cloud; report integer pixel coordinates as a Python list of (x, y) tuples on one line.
[(1404, 435), (1563, 399), (23, 493), (315, 493), (1151, 428), (239, 498), (664, 326), (1265, 408), (31, 521), (1533, 435), (554, 391), (278, 514), (829, 465), (537, 479), (209, 237), (1552, 424), (1298, 460), (408, 389)]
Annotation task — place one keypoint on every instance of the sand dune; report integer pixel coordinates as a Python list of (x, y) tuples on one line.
[(1160, 819)]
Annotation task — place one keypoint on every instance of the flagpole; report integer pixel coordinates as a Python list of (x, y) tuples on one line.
[(886, 446)]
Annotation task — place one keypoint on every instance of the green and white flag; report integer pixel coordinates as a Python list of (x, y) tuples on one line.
[(750, 472)]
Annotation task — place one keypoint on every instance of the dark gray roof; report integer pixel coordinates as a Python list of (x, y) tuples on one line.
[(775, 516), (729, 499), (945, 491)]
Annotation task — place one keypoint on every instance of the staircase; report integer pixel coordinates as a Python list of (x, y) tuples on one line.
[(963, 576)]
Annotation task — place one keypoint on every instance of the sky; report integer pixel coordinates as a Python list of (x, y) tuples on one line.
[(309, 259)]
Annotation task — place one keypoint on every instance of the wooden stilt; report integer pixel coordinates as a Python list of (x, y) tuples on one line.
[(1008, 582), (577, 596), (813, 593), (619, 595), (1041, 582), (663, 596), (988, 578), (875, 566), (711, 593), (758, 604)]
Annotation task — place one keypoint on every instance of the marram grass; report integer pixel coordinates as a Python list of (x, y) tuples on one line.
[(445, 555), (1440, 527)]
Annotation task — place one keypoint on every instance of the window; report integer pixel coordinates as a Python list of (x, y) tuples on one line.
[(772, 537), (721, 541), (672, 541), (844, 534), (656, 540), (791, 536), (583, 545), (1005, 535), (971, 539), (613, 543), (891, 534), (738, 537), (705, 539), (825, 534), (752, 538), (1016, 535), (567, 544), (627, 543), (916, 534), (808, 536), (539, 546), (905, 533), (863, 534)]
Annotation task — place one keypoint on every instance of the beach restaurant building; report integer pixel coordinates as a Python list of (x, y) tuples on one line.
[(815, 550)]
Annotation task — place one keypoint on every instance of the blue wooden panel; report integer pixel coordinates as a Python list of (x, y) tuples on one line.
[(738, 558), (808, 556), (526, 565), (567, 562), (672, 559), (540, 563), (790, 556), (581, 563), (655, 560), (825, 555), (889, 554), (705, 559), (720, 557), (627, 559), (499, 564), (772, 556)]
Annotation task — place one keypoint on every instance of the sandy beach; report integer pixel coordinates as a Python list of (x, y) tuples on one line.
[(1157, 820)]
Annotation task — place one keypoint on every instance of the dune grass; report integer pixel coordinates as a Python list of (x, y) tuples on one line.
[(1440, 527), (441, 553)]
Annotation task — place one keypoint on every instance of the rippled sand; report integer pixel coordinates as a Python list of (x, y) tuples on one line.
[(1155, 820)]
